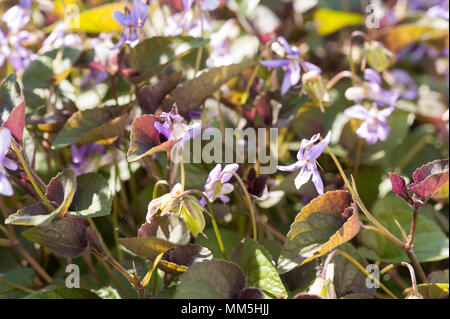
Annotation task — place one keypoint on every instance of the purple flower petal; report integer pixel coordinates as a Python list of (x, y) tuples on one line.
[(5, 142), (314, 152), (317, 180), (312, 67), (9, 164), (372, 76), (121, 18), (5, 186), (230, 167), (357, 112), (275, 64), (303, 177), (290, 168)]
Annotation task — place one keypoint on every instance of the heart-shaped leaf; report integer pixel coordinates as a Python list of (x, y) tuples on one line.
[(145, 138), (259, 268), (150, 96), (60, 192), (429, 178), (92, 197), (326, 222), (65, 237), (211, 279), (193, 93), (155, 53), (100, 125), (12, 106), (169, 227)]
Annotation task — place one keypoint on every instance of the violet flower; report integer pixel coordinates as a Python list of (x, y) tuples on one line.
[(12, 49), (306, 161), (18, 16), (207, 5), (174, 129), (132, 22), (5, 142), (188, 22), (292, 63), (440, 11), (221, 45), (59, 38), (81, 157), (404, 84), (217, 186), (372, 90), (374, 127)]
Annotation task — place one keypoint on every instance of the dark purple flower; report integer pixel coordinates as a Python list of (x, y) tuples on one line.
[(404, 84), (217, 186), (5, 142), (306, 161), (81, 157), (374, 127), (132, 22), (292, 63)]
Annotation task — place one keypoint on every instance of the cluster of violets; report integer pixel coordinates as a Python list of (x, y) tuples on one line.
[(373, 102)]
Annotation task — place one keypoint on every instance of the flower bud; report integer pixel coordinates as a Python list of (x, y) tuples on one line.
[(378, 57), (192, 214), (315, 87), (355, 93)]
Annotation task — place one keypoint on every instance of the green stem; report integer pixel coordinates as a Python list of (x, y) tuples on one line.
[(15, 286), (249, 84), (411, 272), (113, 276), (382, 230), (157, 185), (249, 201), (36, 187), (5, 242), (359, 266), (148, 276)]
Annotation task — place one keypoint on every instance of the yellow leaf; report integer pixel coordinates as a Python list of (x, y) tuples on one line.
[(330, 21)]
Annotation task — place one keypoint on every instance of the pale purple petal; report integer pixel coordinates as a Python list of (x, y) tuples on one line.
[(140, 13), (213, 176), (227, 176), (286, 46), (9, 164), (383, 131), (226, 189), (317, 180), (5, 142), (314, 152), (303, 177), (290, 168), (121, 18), (358, 112), (383, 115), (372, 76), (5, 186), (275, 64), (312, 67), (210, 5), (224, 198)]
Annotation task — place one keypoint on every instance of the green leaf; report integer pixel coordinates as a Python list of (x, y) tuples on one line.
[(347, 277), (211, 279), (149, 247), (19, 276), (65, 237), (430, 243), (439, 276), (100, 125), (154, 54), (230, 240), (330, 21), (259, 268), (92, 197), (178, 259), (99, 19), (193, 93), (430, 291), (43, 70), (63, 293), (325, 223), (60, 193), (10, 97)]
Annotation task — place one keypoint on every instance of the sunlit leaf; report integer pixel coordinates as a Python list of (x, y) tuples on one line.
[(326, 222), (330, 21), (257, 264), (99, 125), (169, 227), (430, 291), (149, 247), (211, 279)]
